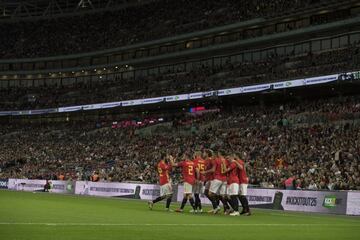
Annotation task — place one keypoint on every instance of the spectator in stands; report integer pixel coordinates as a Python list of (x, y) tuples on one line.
[(145, 22), (321, 150)]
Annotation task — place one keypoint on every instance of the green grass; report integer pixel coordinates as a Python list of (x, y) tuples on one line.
[(26, 215)]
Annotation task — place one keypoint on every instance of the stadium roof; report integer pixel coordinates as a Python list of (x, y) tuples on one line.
[(19, 9)]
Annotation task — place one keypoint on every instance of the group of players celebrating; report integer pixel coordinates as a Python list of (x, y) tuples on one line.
[(224, 177)]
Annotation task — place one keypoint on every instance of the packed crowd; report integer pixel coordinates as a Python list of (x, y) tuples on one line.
[(158, 19), (202, 78), (317, 142)]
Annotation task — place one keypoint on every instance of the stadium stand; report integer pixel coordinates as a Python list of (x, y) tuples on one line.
[(203, 78), (85, 33), (317, 141)]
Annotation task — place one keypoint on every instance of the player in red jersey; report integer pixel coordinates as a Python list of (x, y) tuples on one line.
[(218, 185), (233, 185), (244, 181), (200, 164), (166, 192), (209, 176), (188, 173)]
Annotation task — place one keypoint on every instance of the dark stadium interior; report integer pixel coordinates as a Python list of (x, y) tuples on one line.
[(77, 53)]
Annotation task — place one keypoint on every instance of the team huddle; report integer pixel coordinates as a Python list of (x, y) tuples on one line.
[(223, 178)]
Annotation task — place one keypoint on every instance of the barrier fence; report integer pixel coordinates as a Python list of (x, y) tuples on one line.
[(34, 185), (336, 202)]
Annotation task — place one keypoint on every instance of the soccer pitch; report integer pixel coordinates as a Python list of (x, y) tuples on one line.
[(25, 215)]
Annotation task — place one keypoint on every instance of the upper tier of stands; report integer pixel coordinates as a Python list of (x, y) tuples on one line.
[(201, 78), (158, 19)]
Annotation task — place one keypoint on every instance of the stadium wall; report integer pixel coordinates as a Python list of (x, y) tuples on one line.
[(334, 202)]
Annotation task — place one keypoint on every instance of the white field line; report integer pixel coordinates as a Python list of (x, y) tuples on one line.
[(294, 215), (183, 224), (341, 217)]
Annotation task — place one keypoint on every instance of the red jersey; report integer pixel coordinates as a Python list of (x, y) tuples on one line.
[(220, 169), (208, 165), (233, 176), (163, 170), (200, 164), (242, 173), (188, 171)]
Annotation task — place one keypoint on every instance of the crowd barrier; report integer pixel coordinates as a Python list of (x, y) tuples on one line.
[(33, 185), (115, 189), (294, 200), (335, 202)]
